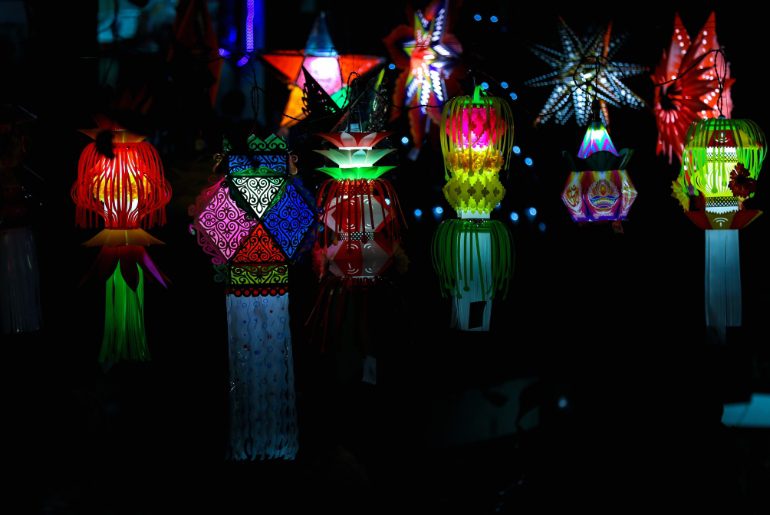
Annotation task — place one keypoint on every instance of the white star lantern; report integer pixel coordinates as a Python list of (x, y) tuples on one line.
[(584, 71)]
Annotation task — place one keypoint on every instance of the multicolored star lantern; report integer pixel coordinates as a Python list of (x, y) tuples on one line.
[(584, 71), (321, 60), (687, 85), (425, 52)]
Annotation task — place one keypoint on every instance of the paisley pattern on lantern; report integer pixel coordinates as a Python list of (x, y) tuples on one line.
[(259, 247), (224, 223), (259, 193), (289, 220)]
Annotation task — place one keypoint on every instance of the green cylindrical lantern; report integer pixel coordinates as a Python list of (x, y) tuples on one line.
[(472, 255), (720, 167)]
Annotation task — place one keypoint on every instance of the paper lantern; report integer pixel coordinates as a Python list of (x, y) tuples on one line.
[(359, 210), (687, 85), (254, 222), (472, 255), (120, 180), (425, 51), (321, 61), (721, 162), (361, 221), (584, 71), (601, 190), (19, 273)]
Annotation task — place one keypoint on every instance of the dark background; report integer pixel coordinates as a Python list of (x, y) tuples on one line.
[(614, 323)]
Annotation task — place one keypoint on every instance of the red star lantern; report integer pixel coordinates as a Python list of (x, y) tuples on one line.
[(687, 85)]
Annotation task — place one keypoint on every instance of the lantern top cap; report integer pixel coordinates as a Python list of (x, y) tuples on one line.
[(725, 132), (478, 91), (319, 43), (596, 139), (354, 140), (119, 133)]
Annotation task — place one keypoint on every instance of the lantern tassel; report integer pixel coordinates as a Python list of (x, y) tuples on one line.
[(723, 281), (19, 282), (124, 336), (473, 260), (263, 418)]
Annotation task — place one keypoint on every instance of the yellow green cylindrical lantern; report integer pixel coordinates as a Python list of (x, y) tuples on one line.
[(720, 166), (472, 255)]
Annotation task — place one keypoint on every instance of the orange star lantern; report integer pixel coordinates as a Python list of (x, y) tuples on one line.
[(321, 60)]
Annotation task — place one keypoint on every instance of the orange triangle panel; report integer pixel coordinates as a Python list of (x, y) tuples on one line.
[(287, 63), (357, 63)]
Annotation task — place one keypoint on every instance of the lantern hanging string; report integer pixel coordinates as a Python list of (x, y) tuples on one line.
[(720, 76), (255, 92)]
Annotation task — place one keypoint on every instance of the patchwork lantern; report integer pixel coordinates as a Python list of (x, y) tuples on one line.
[(720, 166), (321, 61), (120, 180), (425, 51), (599, 189), (692, 82), (360, 217), (253, 222), (472, 255)]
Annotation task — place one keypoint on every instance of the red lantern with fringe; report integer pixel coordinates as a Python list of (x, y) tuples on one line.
[(120, 180), (361, 222)]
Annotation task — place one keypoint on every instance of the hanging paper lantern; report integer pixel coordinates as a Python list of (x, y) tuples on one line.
[(120, 180), (361, 220), (582, 71), (720, 165), (253, 222), (687, 85), (602, 191), (359, 210), (472, 255), (425, 52), (19, 274), (319, 59)]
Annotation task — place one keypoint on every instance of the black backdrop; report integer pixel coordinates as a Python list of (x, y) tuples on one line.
[(613, 322)]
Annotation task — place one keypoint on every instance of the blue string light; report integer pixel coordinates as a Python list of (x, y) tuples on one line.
[(477, 17), (528, 161), (249, 26)]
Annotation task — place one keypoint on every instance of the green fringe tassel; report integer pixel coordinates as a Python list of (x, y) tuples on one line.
[(456, 256), (124, 336)]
